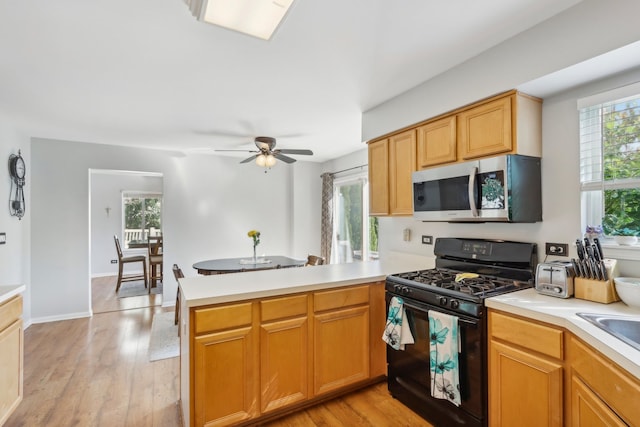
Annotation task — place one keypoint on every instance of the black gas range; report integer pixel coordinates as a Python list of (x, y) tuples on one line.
[(467, 272)]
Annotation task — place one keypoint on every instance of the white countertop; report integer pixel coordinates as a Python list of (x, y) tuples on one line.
[(562, 312), (9, 291), (221, 288)]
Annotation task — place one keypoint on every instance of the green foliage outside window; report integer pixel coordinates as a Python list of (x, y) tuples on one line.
[(621, 150), (142, 213)]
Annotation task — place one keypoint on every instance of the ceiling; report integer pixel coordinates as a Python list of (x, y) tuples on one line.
[(146, 73)]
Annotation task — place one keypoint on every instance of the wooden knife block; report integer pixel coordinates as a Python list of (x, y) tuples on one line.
[(602, 291)]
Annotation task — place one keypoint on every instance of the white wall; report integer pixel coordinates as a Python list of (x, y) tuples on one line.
[(587, 30), (14, 254), (106, 192), (210, 203)]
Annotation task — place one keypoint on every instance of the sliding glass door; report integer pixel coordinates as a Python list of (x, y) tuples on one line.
[(355, 234)]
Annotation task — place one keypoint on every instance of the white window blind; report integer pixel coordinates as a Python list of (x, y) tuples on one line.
[(610, 160)]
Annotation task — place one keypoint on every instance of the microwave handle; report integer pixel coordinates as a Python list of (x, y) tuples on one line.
[(471, 188)]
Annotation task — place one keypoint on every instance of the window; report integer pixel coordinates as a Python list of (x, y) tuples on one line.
[(142, 217), (610, 161), (355, 234)]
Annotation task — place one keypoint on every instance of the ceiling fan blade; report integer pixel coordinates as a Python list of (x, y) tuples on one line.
[(241, 151), (284, 158), (247, 160), (294, 151)]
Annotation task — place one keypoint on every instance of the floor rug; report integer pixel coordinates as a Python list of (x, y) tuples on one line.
[(164, 342), (137, 289)]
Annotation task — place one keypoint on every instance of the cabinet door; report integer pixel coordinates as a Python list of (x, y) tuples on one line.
[(485, 130), (437, 142), (11, 368), (341, 348), (379, 177), (524, 390), (588, 410), (225, 372), (402, 162), (283, 363)]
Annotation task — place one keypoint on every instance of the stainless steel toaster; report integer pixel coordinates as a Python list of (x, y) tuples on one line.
[(555, 279)]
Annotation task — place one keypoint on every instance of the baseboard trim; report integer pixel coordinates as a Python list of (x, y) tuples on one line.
[(70, 316)]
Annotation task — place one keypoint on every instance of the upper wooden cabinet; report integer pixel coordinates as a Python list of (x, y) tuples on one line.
[(509, 124), (437, 142), (379, 177), (391, 162)]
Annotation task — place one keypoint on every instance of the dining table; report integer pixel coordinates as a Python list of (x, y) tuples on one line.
[(236, 265)]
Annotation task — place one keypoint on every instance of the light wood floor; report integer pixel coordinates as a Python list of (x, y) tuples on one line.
[(96, 372), (104, 298)]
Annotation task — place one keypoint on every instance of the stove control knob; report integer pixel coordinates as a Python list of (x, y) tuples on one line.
[(454, 303), (396, 287), (443, 301), (406, 290)]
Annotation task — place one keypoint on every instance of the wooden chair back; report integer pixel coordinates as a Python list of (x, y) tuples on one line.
[(177, 272), (154, 244), (118, 247), (315, 260)]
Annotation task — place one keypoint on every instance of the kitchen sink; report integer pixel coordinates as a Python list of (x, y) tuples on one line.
[(625, 328)]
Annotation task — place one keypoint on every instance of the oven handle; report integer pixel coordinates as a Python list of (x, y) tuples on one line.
[(460, 319)]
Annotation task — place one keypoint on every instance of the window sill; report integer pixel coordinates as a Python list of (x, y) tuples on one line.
[(615, 251)]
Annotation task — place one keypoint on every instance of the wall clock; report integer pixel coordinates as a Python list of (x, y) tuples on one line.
[(17, 171)]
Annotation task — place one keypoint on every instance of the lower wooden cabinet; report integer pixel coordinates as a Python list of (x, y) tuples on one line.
[(11, 356), (225, 379), (284, 352), (587, 409), (542, 375), (257, 359), (341, 348), (525, 385), (602, 394)]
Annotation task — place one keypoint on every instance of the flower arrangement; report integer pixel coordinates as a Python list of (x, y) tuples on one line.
[(255, 235), (593, 231)]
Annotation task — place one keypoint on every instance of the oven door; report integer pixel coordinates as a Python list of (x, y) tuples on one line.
[(409, 371)]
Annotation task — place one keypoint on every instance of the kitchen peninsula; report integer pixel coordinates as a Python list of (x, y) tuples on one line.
[(260, 344)]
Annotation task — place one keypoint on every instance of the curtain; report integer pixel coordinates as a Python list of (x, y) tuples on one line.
[(326, 228)]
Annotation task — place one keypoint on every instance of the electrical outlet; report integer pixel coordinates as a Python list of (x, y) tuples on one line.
[(427, 240), (559, 249), (3, 238), (114, 261)]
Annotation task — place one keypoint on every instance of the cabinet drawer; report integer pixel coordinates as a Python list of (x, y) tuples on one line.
[(343, 297), (528, 334), (612, 384), (10, 311), (281, 308), (222, 317)]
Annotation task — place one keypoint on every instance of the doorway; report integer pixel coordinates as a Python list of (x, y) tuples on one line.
[(111, 212)]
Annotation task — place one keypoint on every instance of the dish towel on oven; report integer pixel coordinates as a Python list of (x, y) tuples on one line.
[(397, 332), (444, 347)]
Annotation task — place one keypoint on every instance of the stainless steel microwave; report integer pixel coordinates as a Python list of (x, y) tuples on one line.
[(504, 188)]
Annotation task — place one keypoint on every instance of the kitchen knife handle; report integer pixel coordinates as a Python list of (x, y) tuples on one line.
[(580, 249), (599, 246)]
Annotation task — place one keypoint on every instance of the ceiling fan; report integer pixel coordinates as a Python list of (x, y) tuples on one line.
[(267, 154)]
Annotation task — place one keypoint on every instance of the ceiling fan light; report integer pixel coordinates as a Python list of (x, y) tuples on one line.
[(261, 160), (270, 161)]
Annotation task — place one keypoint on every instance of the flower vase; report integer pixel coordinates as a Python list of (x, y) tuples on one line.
[(255, 259)]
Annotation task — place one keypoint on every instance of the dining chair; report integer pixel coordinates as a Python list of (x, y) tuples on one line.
[(177, 273), (314, 260), (122, 260), (154, 245)]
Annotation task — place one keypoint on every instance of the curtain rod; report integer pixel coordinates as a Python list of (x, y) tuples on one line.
[(346, 170)]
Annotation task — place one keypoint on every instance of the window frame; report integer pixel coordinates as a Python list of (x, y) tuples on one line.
[(592, 173), (129, 194)]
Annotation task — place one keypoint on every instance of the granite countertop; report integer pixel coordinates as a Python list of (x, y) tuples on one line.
[(562, 312), (221, 288), (9, 291)]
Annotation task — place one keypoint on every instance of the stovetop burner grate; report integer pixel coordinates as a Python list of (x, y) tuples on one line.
[(446, 279)]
